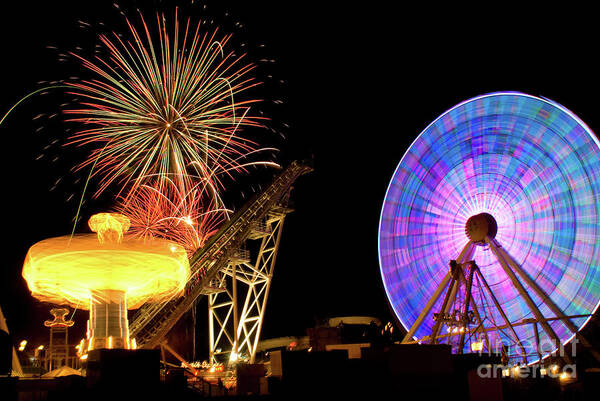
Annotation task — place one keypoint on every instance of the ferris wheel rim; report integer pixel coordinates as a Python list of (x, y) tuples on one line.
[(391, 184)]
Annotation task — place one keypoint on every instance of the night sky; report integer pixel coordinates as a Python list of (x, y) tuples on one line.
[(359, 84)]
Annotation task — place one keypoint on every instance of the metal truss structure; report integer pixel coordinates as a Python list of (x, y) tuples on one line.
[(462, 314), (234, 327), (221, 266)]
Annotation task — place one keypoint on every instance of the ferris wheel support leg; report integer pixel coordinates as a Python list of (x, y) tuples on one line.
[(436, 295), (475, 309), (448, 300), (468, 298), (480, 324), (465, 254), (536, 332), (504, 317), (467, 250), (548, 301), (519, 286)]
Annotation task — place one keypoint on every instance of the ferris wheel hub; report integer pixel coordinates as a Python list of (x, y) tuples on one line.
[(480, 226)]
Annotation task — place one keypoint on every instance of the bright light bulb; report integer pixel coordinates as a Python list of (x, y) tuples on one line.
[(477, 346)]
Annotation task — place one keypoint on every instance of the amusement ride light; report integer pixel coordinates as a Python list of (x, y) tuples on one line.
[(513, 175), (106, 273)]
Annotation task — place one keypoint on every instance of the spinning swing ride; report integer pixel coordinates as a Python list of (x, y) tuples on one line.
[(490, 227)]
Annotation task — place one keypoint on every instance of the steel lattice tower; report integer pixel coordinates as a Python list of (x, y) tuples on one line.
[(236, 281)]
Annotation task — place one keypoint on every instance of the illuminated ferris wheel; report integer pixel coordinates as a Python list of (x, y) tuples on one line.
[(489, 237)]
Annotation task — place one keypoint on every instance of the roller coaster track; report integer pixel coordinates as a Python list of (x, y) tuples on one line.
[(153, 321)]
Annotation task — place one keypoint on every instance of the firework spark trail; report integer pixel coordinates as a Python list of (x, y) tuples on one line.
[(188, 218), (166, 110), (41, 90)]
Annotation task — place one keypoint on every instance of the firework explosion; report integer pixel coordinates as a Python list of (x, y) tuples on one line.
[(163, 122), (164, 211), (166, 110)]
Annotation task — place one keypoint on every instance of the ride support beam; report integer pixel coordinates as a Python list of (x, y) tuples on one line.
[(451, 293), (475, 309), (427, 338), (521, 289), (468, 288), (502, 314), (466, 253), (548, 301)]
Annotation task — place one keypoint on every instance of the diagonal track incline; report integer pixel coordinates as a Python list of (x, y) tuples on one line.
[(153, 321)]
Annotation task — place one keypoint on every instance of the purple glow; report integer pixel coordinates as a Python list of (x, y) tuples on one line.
[(527, 161)]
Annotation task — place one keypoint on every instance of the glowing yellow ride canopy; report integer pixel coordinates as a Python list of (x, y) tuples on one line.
[(107, 273), (66, 270)]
